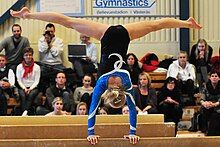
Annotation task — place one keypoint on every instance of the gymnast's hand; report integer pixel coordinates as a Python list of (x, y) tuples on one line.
[(93, 139), (20, 14), (133, 138)]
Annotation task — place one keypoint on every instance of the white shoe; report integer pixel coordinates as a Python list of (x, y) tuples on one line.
[(24, 113)]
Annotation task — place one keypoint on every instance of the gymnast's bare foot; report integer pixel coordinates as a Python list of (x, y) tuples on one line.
[(193, 24), (20, 14)]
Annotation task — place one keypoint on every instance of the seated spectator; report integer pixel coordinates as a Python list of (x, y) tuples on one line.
[(50, 51), (184, 72), (103, 111), (200, 57), (169, 101), (7, 85), (83, 94), (211, 104), (51, 48), (145, 96), (58, 107), (14, 47), (28, 77), (81, 109), (60, 90), (88, 64), (215, 62), (133, 68), (125, 110), (150, 62)]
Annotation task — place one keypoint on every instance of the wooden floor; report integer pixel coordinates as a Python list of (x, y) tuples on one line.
[(189, 134)]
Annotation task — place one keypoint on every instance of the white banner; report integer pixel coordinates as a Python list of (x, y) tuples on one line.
[(68, 7), (124, 7)]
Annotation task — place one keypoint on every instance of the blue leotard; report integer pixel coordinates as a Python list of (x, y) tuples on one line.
[(101, 86)]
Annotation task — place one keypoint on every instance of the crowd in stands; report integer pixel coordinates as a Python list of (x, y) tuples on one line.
[(21, 78)]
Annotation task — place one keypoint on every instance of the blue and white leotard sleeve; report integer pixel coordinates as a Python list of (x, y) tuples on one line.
[(101, 86)]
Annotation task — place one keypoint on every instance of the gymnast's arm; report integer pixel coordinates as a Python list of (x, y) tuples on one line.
[(132, 117), (96, 99)]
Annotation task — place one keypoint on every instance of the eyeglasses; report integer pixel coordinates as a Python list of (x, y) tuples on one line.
[(201, 46)]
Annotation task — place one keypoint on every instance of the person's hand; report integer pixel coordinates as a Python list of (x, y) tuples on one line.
[(207, 104), (193, 24), (201, 54), (27, 91), (20, 14), (132, 138), (93, 139)]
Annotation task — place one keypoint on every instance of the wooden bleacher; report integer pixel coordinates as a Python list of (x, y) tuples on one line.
[(157, 79), (74, 119), (77, 131), (60, 131), (69, 127)]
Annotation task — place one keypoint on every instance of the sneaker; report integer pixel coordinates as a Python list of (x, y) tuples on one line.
[(24, 113)]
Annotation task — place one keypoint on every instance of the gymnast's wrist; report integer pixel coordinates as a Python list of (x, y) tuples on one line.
[(91, 133)]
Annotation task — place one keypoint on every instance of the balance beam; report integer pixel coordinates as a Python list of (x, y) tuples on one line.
[(73, 131), (119, 142), (74, 119)]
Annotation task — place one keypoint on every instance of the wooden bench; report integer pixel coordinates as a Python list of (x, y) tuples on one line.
[(74, 119), (157, 79)]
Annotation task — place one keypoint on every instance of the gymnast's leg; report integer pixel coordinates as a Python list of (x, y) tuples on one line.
[(90, 28), (140, 29)]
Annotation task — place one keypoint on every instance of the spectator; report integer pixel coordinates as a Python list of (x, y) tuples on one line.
[(211, 105), (150, 62), (169, 100), (184, 72), (200, 57), (7, 80), (88, 64), (58, 107), (28, 77), (60, 90), (14, 47), (83, 94), (51, 48), (125, 110), (145, 96), (7, 87), (81, 109), (50, 51), (133, 68), (103, 111)]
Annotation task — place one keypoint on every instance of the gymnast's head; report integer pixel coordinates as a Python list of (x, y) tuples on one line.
[(114, 96)]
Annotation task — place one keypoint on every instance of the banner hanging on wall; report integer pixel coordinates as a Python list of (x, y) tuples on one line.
[(67, 7), (124, 7)]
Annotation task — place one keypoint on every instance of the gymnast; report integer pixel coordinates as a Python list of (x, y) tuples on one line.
[(114, 44)]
